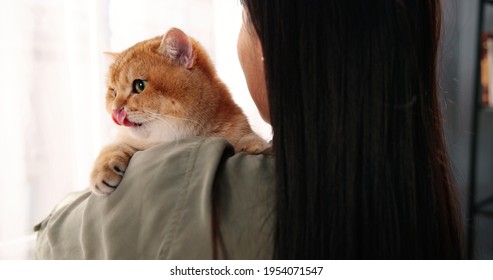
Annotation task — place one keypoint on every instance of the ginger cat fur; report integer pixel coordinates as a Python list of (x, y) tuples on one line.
[(162, 90)]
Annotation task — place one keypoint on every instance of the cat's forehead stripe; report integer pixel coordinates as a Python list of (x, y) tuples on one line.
[(121, 66)]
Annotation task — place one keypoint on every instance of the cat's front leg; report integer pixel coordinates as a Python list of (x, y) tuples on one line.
[(109, 167)]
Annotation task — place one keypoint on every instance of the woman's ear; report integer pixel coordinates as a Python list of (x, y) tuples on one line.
[(177, 46)]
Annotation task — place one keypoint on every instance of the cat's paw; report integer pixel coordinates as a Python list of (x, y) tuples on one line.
[(109, 168), (253, 144)]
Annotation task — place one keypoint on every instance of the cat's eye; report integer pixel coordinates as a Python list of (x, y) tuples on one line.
[(138, 86)]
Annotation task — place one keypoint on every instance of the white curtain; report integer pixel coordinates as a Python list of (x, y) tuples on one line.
[(52, 75)]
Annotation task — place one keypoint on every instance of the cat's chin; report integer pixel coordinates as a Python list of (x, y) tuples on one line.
[(160, 132), (140, 131)]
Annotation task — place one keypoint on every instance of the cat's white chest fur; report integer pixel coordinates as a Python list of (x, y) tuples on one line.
[(158, 131)]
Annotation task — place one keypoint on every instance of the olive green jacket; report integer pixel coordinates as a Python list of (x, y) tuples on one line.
[(163, 208)]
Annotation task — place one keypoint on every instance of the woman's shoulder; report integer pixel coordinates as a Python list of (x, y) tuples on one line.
[(240, 186), (198, 158), (162, 208)]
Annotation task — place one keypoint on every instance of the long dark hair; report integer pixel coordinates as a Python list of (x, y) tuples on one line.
[(362, 168)]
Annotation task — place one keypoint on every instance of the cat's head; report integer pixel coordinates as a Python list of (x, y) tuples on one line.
[(161, 89)]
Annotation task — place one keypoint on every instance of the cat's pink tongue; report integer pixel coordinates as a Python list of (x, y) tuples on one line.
[(120, 118)]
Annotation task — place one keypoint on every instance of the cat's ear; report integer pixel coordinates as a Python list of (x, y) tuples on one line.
[(110, 57), (178, 47), (111, 54)]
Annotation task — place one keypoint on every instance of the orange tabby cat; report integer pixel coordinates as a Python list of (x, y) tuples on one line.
[(162, 90)]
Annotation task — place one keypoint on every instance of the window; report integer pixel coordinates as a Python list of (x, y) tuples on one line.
[(52, 73)]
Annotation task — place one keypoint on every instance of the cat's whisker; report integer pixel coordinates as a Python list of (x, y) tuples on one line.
[(171, 128), (163, 117), (148, 117)]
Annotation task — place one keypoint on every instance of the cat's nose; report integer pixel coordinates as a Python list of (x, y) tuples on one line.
[(119, 116)]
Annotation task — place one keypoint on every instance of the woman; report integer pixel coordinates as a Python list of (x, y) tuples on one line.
[(360, 168)]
